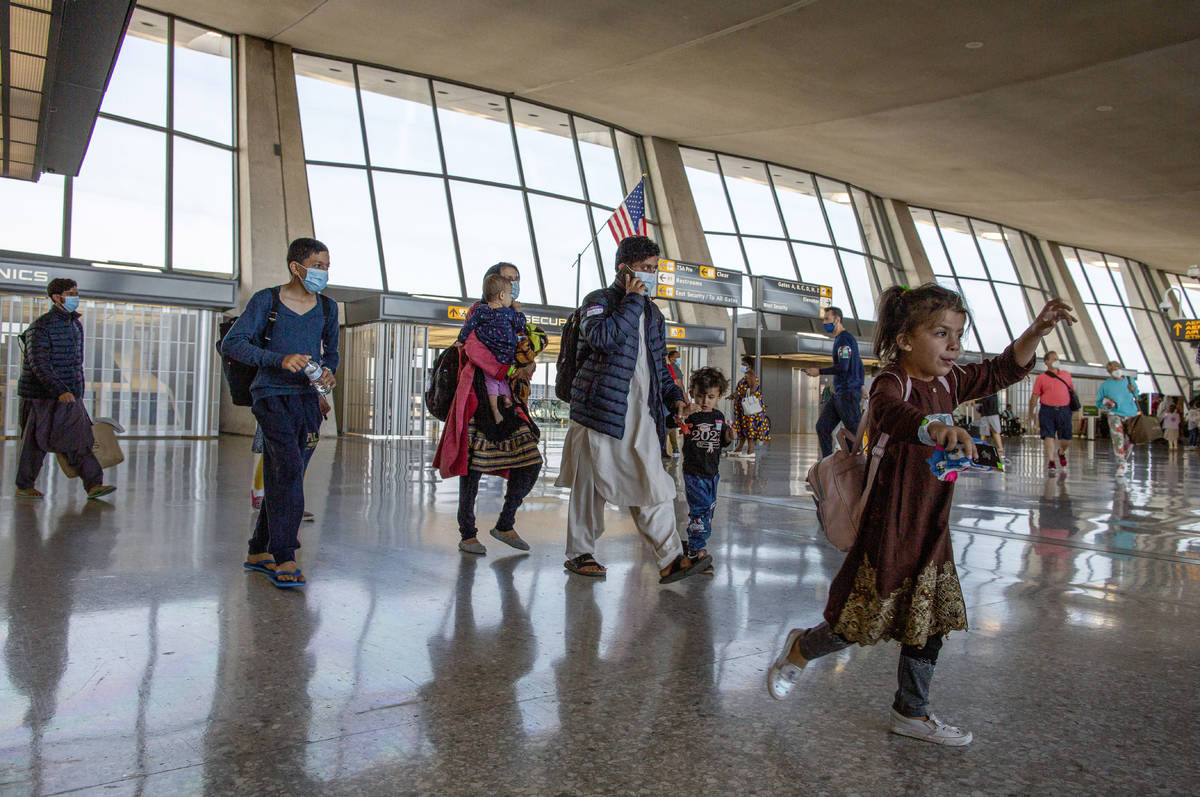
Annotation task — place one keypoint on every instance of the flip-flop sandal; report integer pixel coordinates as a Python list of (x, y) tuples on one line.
[(275, 574), (577, 564), (260, 566), (678, 571)]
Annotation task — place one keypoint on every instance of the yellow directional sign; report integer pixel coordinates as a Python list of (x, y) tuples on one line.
[(1186, 329)]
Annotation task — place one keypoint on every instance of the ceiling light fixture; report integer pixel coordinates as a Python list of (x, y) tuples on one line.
[(973, 45), (1104, 108)]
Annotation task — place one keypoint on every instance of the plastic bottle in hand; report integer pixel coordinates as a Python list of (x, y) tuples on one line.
[(313, 371)]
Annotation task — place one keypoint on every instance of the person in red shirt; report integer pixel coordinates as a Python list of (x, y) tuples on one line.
[(1053, 389)]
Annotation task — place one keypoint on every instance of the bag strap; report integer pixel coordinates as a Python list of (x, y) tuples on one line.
[(269, 329), (1129, 384), (872, 470), (1060, 379)]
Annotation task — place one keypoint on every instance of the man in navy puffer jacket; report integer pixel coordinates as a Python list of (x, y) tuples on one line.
[(52, 416), (620, 397)]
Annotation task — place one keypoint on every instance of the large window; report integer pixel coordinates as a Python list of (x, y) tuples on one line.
[(996, 269), (768, 220), (419, 185), (1122, 302), (157, 187)]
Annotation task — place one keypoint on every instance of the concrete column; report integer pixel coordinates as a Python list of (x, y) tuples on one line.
[(1083, 335), (913, 260), (683, 236), (272, 182)]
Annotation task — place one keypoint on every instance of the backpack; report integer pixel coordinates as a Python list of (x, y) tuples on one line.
[(568, 353), (443, 382), (840, 484)]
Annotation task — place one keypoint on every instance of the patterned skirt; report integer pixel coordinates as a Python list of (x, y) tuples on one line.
[(518, 450)]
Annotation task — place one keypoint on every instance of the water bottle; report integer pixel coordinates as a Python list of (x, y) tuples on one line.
[(313, 371)]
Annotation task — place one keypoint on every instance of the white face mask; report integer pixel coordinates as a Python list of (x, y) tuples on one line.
[(651, 280), (1116, 373)]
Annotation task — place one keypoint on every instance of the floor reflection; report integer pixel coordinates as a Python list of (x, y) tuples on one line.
[(140, 658)]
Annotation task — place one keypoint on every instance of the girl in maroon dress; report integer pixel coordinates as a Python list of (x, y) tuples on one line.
[(898, 581)]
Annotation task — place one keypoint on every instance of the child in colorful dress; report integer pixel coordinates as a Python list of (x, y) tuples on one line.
[(1172, 419), (705, 433), (1193, 422), (750, 426), (497, 325), (899, 581)]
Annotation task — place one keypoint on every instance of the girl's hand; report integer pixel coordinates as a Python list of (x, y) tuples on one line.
[(952, 437), (1056, 310)]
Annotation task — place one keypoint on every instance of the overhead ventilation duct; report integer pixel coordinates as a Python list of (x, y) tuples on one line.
[(56, 57)]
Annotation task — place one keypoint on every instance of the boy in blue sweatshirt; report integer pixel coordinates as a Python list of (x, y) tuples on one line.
[(847, 371), (286, 405)]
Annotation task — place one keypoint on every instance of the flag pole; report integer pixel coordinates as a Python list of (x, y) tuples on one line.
[(579, 257)]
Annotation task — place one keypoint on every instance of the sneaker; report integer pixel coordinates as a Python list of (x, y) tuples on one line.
[(930, 730), (1062, 460), (1051, 470), (782, 674), (30, 492)]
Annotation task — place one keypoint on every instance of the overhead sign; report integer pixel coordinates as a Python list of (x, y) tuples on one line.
[(695, 336), (788, 297), (442, 312), (692, 282), (1186, 329)]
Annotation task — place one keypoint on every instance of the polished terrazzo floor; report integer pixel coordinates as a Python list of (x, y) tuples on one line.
[(139, 658)]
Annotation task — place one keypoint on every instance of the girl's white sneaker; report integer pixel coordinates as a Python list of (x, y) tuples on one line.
[(782, 674), (930, 730)]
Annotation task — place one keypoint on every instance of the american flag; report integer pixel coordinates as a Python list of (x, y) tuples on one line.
[(630, 218)]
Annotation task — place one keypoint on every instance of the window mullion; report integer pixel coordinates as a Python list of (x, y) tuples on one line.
[(362, 129), (437, 129)]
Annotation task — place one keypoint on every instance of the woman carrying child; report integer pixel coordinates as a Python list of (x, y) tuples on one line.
[(899, 581), (473, 443)]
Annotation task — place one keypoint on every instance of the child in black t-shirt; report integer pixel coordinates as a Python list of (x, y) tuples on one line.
[(705, 433)]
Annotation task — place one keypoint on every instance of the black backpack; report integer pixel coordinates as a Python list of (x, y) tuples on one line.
[(443, 383), (568, 352)]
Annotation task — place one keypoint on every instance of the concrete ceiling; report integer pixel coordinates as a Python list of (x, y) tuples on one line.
[(1074, 120)]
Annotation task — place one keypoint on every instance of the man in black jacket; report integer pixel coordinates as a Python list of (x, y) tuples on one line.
[(52, 416), (620, 399)]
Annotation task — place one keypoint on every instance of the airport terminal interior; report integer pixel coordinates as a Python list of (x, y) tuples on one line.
[(788, 157)]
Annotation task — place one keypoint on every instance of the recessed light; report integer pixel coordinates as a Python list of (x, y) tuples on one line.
[(442, 91), (745, 167), (563, 124), (334, 69), (534, 115), (1104, 108), (388, 80), (973, 45), (494, 104)]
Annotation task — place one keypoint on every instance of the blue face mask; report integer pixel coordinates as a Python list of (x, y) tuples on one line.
[(829, 327), (516, 289), (70, 303), (315, 280)]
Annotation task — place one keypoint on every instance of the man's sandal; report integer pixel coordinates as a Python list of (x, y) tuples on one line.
[(586, 565)]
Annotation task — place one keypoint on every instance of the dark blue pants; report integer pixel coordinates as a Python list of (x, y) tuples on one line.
[(846, 407), (291, 427), (702, 502), (520, 482)]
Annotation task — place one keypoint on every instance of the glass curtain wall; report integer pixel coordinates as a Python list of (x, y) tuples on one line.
[(1188, 302), (768, 220), (158, 183), (996, 269), (1131, 327), (418, 185)]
